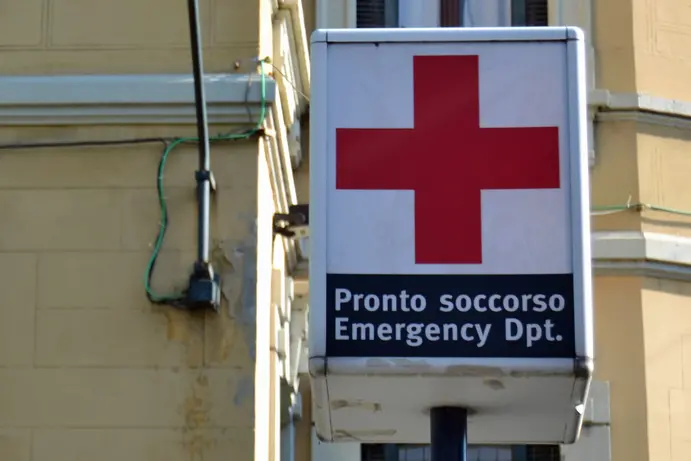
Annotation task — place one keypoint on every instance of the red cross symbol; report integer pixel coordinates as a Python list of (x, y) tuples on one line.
[(447, 159)]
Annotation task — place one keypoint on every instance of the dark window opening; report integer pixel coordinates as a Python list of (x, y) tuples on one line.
[(384, 13), (532, 13), (451, 12), (376, 13), (402, 452)]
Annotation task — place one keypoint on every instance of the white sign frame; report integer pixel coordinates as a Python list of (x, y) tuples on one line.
[(581, 366)]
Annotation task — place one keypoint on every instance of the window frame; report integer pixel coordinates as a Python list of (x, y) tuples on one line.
[(519, 11), (447, 10), (390, 451), (391, 13)]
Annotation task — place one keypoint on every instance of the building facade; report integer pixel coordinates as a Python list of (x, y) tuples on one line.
[(95, 98)]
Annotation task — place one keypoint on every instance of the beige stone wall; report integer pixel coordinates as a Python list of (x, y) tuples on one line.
[(662, 57), (655, 161), (644, 162), (615, 179), (667, 316), (125, 36), (664, 161), (643, 46), (620, 360), (662, 37), (88, 368), (613, 42)]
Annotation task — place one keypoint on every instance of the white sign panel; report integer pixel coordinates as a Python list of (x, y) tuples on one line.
[(449, 200)]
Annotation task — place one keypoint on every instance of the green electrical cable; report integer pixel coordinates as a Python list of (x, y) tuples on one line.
[(177, 297), (640, 206)]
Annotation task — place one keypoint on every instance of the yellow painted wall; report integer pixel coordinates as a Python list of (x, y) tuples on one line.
[(643, 323), (124, 36), (615, 179), (663, 156), (88, 368), (650, 161), (620, 360), (667, 329), (613, 30), (662, 39)]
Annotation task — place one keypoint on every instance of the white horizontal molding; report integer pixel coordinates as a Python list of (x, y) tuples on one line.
[(640, 107), (129, 99), (642, 253), (639, 101), (634, 245)]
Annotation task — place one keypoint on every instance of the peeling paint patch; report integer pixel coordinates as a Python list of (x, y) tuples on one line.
[(374, 407), (494, 384), (243, 307), (357, 435), (188, 330), (195, 411), (196, 407), (244, 391)]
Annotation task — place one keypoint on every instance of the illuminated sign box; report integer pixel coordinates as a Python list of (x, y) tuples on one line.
[(449, 231)]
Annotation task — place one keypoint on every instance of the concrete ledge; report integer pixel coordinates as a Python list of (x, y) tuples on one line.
[(640, 107), (649, 246), (611, 101), (642, 253), (128, 99)]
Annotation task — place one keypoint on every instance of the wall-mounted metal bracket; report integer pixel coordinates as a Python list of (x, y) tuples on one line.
[(294, 224)]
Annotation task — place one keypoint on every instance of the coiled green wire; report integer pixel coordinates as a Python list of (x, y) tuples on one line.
[(175, 298)]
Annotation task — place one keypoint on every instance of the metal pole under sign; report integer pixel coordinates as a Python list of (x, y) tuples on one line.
[(449, 433), (203, 175)]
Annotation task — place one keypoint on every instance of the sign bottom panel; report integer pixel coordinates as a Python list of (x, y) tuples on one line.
[(502, 316)]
